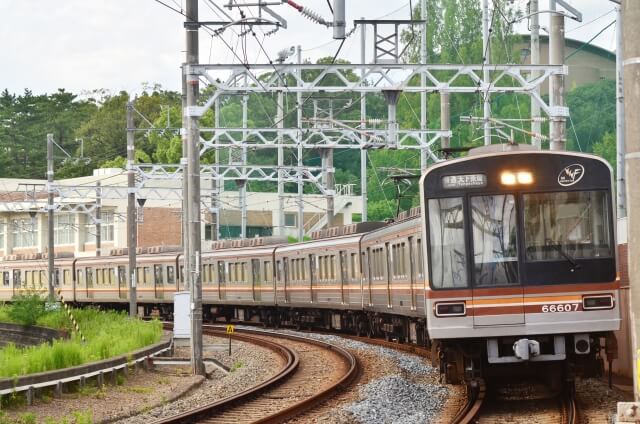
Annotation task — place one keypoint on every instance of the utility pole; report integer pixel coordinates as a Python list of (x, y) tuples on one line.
[(242, 190), (535, 60), (363, 126), (300, 151), (215, 188), (132, 219), (329, 184), (486, 60), (556, 57), (185, 182), (50, 208), (631, 64), (423, 81), (620, 144), (98, 218), (445, 118), (193, 167), (280, 125)]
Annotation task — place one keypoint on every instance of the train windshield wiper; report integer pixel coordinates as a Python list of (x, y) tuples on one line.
[(574, 265)]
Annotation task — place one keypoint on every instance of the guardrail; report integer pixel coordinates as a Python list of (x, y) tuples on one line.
[(30, 383)]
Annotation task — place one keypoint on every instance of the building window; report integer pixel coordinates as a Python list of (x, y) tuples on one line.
[(106, 228), (290, 219), (63, 229), (23, 233)]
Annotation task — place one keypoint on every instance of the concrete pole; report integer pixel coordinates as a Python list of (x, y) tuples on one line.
[(185, 181), (445, 118), (50, 209), (98, 218), (280, 119), (486, 60), (329, 184), (631, 64), (193, 166), (556, 57), (300, 152), (216, 190), (535, 60), (621, 188), (423, 82), (363, 125), (132, 236), (242, 190)]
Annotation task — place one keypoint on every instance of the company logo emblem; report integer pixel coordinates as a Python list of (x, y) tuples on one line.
[(571, 175)]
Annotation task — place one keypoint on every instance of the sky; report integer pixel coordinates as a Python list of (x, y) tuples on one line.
[(82, 45)]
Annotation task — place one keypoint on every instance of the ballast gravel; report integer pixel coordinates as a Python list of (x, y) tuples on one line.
[(405, 389), (395, 400)]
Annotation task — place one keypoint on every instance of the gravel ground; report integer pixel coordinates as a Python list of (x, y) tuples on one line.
[(597, 402), (250, 365), (395, 387), (156, 393)]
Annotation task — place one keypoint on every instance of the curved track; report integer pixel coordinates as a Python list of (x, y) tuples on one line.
[(296, 388), (516, 406)]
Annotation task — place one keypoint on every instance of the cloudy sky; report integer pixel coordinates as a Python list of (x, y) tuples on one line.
[(117, 45)]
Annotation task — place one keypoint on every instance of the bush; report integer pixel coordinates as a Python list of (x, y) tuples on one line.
[(26, 308)]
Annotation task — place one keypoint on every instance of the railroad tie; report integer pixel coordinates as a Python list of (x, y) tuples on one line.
[(71, 317)]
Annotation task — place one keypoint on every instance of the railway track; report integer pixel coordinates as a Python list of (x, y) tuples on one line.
[(312, 372), (511, 404)]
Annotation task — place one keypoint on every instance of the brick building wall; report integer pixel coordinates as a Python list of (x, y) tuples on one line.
[(161, 226)]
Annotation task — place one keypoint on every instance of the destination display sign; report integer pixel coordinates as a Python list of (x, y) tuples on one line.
[(464, 181)]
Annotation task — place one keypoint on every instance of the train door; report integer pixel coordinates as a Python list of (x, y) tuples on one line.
[(89, 282), (412, 273), (366, 266), (343, 274), (498, 296), (122, 282), (255, 280), (387, 279), (158, 281), (285, 278), (222, 281), (312, 278)]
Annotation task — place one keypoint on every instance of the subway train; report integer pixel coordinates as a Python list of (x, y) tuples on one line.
[(509, 260)]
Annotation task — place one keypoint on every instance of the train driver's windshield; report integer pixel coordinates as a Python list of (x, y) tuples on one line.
[(493, 228), (567, 226)]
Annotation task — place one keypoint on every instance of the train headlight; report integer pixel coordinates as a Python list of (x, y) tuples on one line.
[(524, 177), (450, 309), (597, 302), (508, 178), (513, 178)]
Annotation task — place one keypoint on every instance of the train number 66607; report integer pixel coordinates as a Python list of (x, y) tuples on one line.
[(561, 307)]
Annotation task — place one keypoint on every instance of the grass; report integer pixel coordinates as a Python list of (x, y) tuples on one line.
[(108, 334)]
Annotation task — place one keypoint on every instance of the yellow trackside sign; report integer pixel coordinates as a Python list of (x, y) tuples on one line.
[(230, 329)]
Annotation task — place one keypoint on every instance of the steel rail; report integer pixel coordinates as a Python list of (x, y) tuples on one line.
[(210, 410), (476, 391)]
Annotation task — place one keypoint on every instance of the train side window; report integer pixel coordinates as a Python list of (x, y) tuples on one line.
[(268, 273), (279, 270), (157, 275), (398, 259), (221, 276), (147, 274), (353, 263), (27, 278), (5, 279), (139, 276), (420, 261), (89, 272), (448, 252), (206, 276), (171, 275), (56, 274), (99, 276), (66, 277), (80, 277), (122, 275)]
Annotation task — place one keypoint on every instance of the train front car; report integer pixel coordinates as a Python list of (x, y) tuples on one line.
[(522, 262)]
